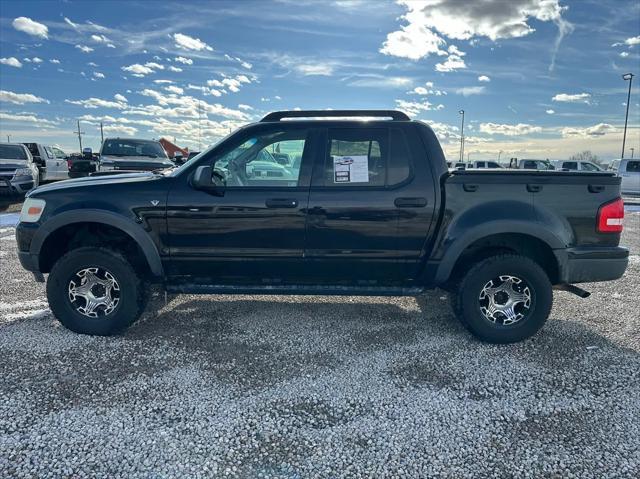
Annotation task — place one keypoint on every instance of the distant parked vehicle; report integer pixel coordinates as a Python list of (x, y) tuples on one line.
[(629, 170), (131, 154), (192, 154), (52, 164), (527, 164), (82, 164), (458, 165), (577, 166), (18, 172), (486, 164)]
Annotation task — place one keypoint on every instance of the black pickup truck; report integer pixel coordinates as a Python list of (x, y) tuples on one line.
[(358, 208)]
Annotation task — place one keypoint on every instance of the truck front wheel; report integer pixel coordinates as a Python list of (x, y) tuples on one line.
[(504, 298), (95, 291)]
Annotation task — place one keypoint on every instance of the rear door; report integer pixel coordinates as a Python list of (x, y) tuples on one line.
[(53, 163), (630, 173), (371, 206)]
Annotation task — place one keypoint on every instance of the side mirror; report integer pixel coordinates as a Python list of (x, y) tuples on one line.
[(205, 179), (178, 158)]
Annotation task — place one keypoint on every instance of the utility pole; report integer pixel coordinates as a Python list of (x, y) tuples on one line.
[(632, 150), (499, 153), (79, 133), (626, 77), (8, 138), (101, 134), (462, 138)]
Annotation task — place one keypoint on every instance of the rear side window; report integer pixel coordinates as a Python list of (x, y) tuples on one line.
[(49, 152), (33, 148), (492, 164), (633, 167), (367, 157), (356, 157), (530, 165), (570, 165)]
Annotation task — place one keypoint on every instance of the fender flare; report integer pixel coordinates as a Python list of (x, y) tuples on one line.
[(131, 228), (491, 228)]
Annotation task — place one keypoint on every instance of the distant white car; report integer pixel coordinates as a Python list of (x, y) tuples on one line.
[(629, 171), (18, 172), (571, 165), (485, 164)]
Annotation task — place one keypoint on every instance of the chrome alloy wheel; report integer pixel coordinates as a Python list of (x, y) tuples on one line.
[(505, 300), (94, 292)]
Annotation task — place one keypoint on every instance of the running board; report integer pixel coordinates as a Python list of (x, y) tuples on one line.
[(186, 288)]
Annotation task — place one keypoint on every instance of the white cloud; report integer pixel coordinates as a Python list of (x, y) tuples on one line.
[(624, 54), (120, 97), (175, 69), (413, 41), (550, 111), (412, 108), (471, 90), (484, 78), (30, 27), (121, 129), (69, 22), (600, 129), (154, 65), (380, 81), (428, 21), (100, 39), (314, 69), (20, 98), (162, 81), (632, 41), (453, 62), (98, 75), (84, 48), (572, 98), (92, 64), (55, 61), (509, 130), (189, 43), (186, 61), (243, 79), (27, 118), (11, 61), (174, 89), (138, 69), (36, 60), (246, 65), (242, 106), (100, 103)]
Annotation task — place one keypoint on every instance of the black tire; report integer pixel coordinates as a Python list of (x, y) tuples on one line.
[(131, 294), (469, 305)]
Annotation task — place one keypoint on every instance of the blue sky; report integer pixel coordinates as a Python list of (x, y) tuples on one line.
[(538, 79)]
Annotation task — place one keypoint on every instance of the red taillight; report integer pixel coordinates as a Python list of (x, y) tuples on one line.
[(610, 216)]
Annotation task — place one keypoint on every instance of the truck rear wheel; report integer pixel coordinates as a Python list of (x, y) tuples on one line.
[(95, 291), (504, 298)]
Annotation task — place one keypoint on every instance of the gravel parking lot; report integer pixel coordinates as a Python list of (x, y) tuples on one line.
[(288, 386)]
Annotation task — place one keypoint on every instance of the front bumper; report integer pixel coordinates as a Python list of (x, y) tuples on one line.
[(591, 264), (29, 261), (18, 185)]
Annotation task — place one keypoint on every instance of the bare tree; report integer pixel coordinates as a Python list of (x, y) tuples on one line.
[(586, 155)]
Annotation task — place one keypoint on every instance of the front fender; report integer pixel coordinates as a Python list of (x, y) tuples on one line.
[(133, 229)]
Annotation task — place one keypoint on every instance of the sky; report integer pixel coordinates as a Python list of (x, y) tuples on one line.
[(536, 78)]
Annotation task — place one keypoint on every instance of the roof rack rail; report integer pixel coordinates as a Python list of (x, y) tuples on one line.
[(279, 115)]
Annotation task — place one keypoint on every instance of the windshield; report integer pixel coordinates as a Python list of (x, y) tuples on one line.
[(147, 148), (12, 152), (191, 161)]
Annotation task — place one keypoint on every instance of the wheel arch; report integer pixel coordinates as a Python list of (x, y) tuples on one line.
[(67, 220)]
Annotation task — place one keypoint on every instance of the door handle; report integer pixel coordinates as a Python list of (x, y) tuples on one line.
[(410, 202), (281, 203), (534, 188), (469, 187)]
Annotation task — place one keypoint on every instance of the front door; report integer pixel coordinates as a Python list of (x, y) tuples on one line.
[(254, 233)]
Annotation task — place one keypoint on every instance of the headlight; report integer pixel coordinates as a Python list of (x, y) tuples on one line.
[(32, 210), (22, 172)]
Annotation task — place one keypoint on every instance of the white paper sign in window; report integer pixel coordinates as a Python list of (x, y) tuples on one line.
[(351, 169)]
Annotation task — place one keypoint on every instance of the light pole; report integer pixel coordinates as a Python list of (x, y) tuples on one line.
[(462, 137), (626, 77), (632, 149), (499, 153)]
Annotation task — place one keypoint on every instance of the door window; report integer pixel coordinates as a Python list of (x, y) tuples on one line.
[(49, 152), (367, 157), (570, 165), (58, 153), (590, 167), (633, 167), (272, 159)]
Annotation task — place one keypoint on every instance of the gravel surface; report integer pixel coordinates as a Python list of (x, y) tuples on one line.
[(286, 386)]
